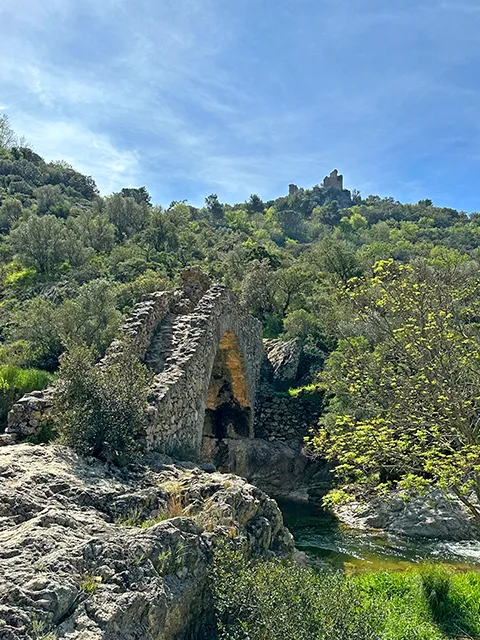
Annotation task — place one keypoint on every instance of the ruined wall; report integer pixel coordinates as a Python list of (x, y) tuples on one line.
[(286, 418), (184, 337), (32, 411), (333, 181), (181, 389)]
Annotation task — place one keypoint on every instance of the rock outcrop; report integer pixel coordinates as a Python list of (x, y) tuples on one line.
[(432, 516), (278, 468), (89, 552), (284, 358)]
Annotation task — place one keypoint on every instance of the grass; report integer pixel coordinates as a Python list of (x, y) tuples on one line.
[(15, 382), (269, 600), (90, 583), (431, 603), (175, 507), (306, 389)]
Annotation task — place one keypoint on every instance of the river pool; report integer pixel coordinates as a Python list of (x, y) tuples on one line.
[(326, 541)]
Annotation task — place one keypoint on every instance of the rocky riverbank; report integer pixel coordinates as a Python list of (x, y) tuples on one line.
[(90, 552), (431, 516)]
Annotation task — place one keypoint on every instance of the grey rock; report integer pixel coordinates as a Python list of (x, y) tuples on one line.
[(284, 357), (278, 468), (434, 515), (70, 567)]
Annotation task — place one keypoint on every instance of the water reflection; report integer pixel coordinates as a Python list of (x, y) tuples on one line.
[(327, 541)]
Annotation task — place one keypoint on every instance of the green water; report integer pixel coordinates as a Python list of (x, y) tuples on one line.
[(326, 541)]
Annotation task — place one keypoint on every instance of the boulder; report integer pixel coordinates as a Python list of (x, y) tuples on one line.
[(284, 358), (278, 468), (91, 552), (434, 515)]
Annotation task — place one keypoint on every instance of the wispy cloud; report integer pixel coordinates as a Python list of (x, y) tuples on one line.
[(198, 96), (90, 153)]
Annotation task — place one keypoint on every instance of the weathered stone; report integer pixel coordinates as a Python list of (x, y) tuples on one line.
[(333, 181), (206, 353), (70, 568), (284, 357), (278, 468), (432, 516)]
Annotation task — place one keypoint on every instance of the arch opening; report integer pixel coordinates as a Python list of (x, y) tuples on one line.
[(228, 413)]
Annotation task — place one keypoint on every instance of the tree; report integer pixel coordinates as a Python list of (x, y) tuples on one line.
[(94, 230), (47, 197), (140, 195), (257, 291), (255, 204), (126, 214), (406, 391), (328, 214), (300, 324), (35, 326), (10, 211), (337, 257), (40, 241), (91, 318), (8, 137), (214, 208), (291, 285)]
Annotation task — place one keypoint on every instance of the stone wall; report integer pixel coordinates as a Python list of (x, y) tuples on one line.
[(181, 388), (206, 353), (286, 418), (333, 181)]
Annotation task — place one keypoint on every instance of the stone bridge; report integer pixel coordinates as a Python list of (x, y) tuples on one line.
[(205, 353)]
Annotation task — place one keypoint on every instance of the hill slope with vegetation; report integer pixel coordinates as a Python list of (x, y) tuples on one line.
[(384, 297)]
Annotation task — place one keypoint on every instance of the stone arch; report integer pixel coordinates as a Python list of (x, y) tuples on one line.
[(204, 352), (208, 380), (228, 410)]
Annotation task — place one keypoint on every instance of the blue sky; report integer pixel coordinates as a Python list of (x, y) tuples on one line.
[(190, 97)]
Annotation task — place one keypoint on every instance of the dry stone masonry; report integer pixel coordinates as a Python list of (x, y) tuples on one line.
[(216, 384), (206, 354)]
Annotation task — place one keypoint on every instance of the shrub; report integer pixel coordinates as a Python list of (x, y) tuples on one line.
[(102, 410), (15, 382), (277, 599)]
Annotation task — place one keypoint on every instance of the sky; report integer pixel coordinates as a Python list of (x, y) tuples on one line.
[(192, 97)]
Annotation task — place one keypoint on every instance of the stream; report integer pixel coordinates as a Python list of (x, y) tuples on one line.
[(331, 543)]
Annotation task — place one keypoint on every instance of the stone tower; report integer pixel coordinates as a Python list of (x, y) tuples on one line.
[(292, 189), (333, 181)]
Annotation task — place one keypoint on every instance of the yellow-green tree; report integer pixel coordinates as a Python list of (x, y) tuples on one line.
[(405, 391)]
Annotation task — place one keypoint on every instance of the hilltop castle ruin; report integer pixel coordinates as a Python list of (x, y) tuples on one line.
[(333, 181)]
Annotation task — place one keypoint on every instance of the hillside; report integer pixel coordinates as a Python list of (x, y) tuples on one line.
[(76, 262), (383, 297)]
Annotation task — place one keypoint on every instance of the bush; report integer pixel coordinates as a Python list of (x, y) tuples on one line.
[(278, 599), (15, 382), (102, 410)]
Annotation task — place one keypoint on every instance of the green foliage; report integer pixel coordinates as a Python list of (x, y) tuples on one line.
[(90, 584), (403, 403), (406, 392), (91, 318), (15, 382), (40, 242), (102, 410), (426, 604), (278, 599)]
